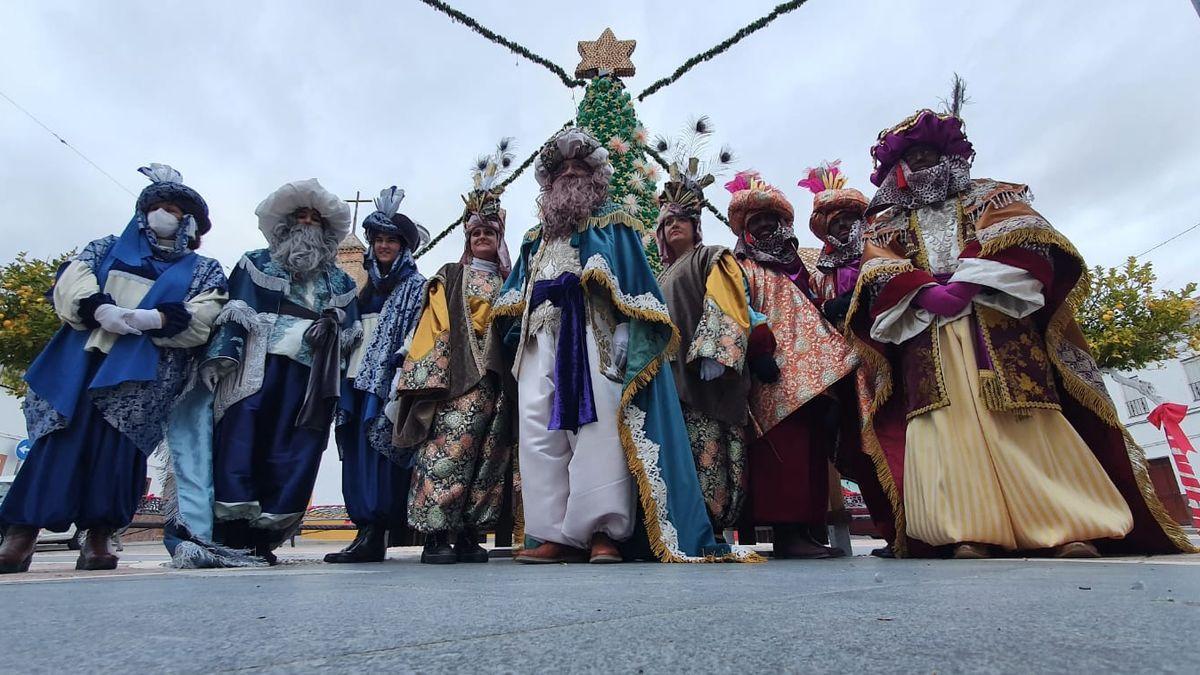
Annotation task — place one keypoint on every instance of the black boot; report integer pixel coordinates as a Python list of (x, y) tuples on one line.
[(17, 551), (467, 548), (438, 550), (265, 542), (233, 534), (368, 546)]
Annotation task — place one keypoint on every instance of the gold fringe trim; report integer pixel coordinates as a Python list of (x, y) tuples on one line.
[(1099, 404), (991, 390), (514, 310), (943, 399), (518, 505), (618, 216), (636, 467), (871, 445), (869, 275)]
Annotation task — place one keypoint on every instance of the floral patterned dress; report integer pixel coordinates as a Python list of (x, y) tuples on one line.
[(458, 479)]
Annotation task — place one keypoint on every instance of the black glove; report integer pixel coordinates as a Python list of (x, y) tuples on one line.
[(764, 368), (835, 309), (394, 361)]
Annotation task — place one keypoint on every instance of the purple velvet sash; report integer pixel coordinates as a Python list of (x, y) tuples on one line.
[(573, 404)]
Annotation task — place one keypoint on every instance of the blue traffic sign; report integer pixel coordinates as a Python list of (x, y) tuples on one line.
[(23, 449)]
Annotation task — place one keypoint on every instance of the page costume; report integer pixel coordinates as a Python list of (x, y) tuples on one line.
[(99, 400), (454, 407), (791, 444), (705, 292), (376, 473), (833, 283)]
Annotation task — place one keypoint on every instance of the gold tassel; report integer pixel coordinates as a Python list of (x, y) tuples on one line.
[(991, 390)]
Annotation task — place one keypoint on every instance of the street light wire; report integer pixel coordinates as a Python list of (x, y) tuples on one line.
[(66, 143), (1164, 243)]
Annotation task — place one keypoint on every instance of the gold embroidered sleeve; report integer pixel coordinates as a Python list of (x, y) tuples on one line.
[(427, 365), (725, 323)]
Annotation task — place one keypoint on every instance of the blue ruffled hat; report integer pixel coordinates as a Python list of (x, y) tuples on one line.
[(166, 185), (386, 219)]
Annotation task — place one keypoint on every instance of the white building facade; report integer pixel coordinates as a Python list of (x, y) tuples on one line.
[(1176, 381)]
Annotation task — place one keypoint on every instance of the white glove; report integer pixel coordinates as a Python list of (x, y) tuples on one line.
[(144, 319), (621, 346), (112, 319), (710, 369), (213, 372)]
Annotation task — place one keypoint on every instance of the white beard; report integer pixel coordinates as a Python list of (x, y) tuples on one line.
[(302, 249)]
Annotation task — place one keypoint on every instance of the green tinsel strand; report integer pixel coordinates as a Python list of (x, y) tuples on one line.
[(737, 37), (474, 25)]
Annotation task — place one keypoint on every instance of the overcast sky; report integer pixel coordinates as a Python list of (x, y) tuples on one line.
[(1094, 105)]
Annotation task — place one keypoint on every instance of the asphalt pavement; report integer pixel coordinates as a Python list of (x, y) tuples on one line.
[(849, 615)]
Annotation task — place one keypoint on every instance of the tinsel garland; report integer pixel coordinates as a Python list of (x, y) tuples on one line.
[(474, 25), (503, 184), (737, 37)]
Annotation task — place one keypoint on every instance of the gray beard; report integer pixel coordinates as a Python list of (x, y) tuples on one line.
[(569, 202), (302, 250)]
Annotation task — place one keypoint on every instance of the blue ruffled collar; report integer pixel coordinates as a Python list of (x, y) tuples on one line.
[(402, 268)]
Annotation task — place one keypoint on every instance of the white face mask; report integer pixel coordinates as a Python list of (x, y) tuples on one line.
[(164, 224)]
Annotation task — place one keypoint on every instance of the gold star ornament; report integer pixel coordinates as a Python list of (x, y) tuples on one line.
[(605, 55)]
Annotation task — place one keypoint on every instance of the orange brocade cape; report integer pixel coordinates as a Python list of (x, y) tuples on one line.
[(811, 355)]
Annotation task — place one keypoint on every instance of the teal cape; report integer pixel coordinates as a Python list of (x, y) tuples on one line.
[(651, 427)]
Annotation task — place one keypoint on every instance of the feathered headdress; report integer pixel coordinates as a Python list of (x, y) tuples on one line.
[(387, 219), (388, 201), (482, 204), (828, 185), (688, 175), (826, 176), (487, 176), (750, 194), (945, 131)]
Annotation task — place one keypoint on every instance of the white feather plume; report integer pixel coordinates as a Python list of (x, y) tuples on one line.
[(388, 201), (160, 173)]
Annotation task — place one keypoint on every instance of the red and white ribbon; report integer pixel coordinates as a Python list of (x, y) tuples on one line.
[(1168, 417)]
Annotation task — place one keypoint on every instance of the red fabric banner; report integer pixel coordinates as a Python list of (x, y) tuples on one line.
[(1168, 417)]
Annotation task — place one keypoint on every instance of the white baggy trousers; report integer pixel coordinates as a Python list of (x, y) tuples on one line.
[(573, 485)]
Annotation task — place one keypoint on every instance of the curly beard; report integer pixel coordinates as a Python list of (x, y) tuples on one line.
[(570, 200), (302, 249)]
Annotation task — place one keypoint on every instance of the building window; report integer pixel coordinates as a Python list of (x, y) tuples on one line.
[(1137, 406), (1135, 401), (1192, 368)]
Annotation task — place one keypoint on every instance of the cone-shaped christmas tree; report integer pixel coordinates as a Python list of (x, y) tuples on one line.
[(607, 113)]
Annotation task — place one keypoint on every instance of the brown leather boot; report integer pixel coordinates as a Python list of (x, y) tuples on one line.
[(604, 551), (547, 553), (794, 541), (1076, 549), (971, 551), (95, 553), (17, 551)]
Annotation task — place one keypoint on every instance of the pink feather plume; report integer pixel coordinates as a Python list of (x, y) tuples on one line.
[(741, 181), (822, 178)]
